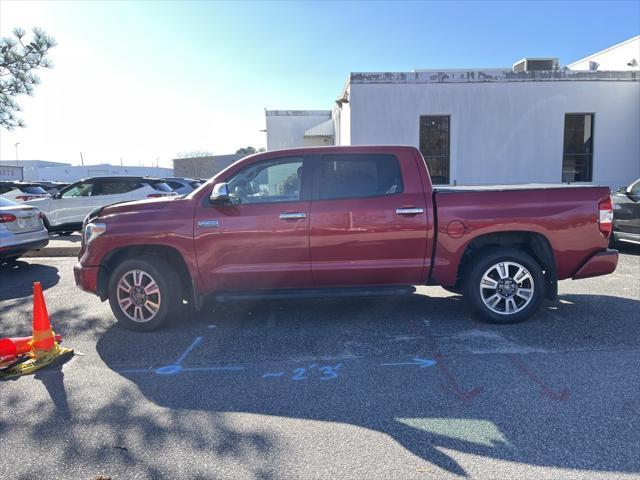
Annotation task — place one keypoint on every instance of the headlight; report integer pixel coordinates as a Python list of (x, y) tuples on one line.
[(92, 231)]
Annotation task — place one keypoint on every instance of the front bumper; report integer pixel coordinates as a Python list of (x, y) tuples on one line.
[(86, 277), (601, 263)]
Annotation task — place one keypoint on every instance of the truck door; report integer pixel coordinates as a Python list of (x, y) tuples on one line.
[(261, 239), (369, 220)]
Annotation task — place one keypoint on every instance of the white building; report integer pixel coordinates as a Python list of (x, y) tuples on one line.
[(533, 122), (42, 170), (298, 128)]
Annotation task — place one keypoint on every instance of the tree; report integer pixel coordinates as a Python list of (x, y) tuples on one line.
[(195, 154), (249, 150), (18, 61)]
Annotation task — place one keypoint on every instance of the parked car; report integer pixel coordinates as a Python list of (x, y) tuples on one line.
[(626, 214), (182, 186), (52, 187), (348, 221), (21, 191), (21, 230), (65, 211)]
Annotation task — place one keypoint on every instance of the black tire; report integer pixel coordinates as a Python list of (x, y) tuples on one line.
[(65, 234), (47, 225), (168, 287), (482, 263)]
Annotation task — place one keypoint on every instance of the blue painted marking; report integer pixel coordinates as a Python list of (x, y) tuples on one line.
[(168, 370), (330, 372), (193, 345), (417, 361), (230, 368), (298, 374), (173, 369), (275, 374)]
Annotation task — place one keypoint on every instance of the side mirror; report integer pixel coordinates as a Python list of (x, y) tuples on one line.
[(57, 195), (220, 194)]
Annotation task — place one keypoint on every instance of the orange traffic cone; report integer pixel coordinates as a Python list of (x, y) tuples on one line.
[(10, 347), (43, 338)]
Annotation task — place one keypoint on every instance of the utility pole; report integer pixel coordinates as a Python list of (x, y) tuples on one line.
[(81, 159), (17, 159)]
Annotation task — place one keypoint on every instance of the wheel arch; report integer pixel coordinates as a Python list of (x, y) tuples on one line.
[(533, 243), (168, 254)]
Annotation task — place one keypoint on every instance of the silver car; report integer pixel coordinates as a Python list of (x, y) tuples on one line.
[(21, 230)]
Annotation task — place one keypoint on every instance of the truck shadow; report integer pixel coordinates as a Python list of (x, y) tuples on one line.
[(16, 278), (267, 357)]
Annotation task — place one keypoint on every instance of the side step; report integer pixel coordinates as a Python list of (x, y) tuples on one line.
[(315, 293)]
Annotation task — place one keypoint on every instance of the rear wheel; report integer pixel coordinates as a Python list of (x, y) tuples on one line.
[(143, 293), (505, 285)]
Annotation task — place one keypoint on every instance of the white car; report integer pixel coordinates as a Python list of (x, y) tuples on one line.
[(21, 230), (21, 191), (182, 186), (65, 211)]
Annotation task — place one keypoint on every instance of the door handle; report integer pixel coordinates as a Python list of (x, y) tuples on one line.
[(292, 215), (208, 223), (409, 211)]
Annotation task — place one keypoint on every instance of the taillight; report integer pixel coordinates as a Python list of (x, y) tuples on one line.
[(24, 198), (605, 217), (7, 218)]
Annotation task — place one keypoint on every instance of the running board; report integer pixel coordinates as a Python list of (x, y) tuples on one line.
[(315, 293)]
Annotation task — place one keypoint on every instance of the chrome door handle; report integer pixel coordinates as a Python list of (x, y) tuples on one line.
[(208, 223), (292, 216), (409, 211)]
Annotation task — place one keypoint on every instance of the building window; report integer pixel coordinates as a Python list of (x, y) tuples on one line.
[(577, 160), (434, 145)]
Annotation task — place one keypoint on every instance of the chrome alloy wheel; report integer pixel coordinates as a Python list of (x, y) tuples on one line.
[(138, 296), (506, 288)]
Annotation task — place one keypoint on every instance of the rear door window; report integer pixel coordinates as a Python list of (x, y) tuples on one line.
[(32, 189), (161, 186), (358, 176), (115, 187)]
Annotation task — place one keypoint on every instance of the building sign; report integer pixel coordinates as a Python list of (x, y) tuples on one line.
[(10, 173)]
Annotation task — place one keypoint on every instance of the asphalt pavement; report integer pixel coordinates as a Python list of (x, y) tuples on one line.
[(378, 388)]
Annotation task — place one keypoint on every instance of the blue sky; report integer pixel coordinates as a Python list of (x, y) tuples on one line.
[(144, 80)]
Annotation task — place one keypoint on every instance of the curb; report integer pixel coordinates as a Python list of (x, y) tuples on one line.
[(54, 252)]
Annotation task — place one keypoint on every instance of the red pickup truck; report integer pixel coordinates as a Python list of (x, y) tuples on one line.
[(343, 221)]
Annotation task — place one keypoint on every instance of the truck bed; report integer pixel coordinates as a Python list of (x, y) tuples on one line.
[(501, 188)]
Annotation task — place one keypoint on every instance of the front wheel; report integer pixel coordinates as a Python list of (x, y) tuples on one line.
[(143, 293), (505, 285)]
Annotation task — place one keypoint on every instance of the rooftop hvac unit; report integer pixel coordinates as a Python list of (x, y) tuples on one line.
[(536, 64)]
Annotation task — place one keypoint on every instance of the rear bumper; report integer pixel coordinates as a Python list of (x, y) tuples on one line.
[(86, 277), (21, 248), (601, 263)]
